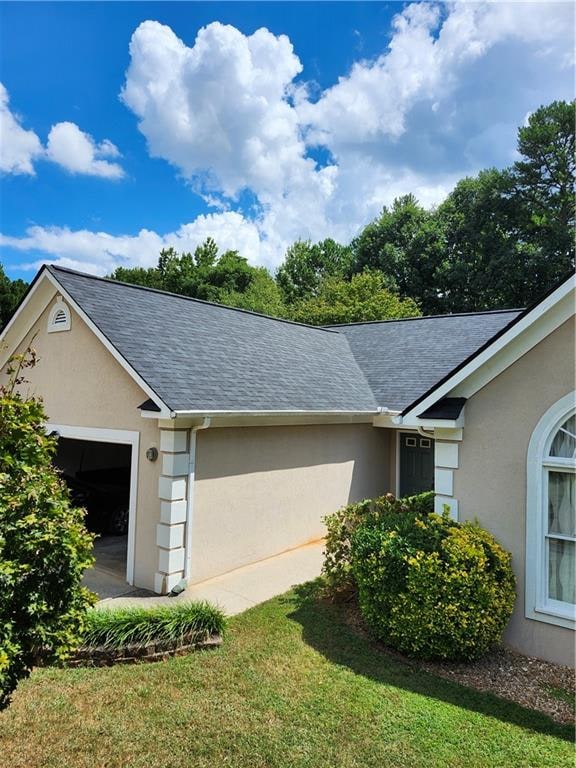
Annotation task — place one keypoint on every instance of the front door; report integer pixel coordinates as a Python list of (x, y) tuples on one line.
[(416, 464)]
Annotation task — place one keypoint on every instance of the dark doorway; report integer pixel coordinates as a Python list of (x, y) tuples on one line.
[(416, 464), (98, 476)]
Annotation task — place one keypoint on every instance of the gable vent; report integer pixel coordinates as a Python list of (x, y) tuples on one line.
[(59, 318)]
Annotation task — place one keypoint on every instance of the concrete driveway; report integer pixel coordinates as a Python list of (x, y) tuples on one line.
[(107, 578), (240, 589)]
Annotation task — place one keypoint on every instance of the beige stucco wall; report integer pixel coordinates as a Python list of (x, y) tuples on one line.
[(262, 490), (490, 483), (83, 385)]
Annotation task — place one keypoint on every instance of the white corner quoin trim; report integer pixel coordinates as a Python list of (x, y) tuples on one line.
[(123, 437)]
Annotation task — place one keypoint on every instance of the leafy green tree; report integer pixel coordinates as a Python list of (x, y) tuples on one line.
[(365, 296), (11, 292), (44, 546), (262, 295), (510, 234), (206, 274), (500, 239), (544, 179), (406, 244), (149, 277), (306, 265), (487, 261)]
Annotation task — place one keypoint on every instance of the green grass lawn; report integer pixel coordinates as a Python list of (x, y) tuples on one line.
[(293, 685)]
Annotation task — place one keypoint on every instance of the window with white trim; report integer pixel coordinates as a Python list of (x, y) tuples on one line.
[(59, 318), (551, 517), (560, 527)]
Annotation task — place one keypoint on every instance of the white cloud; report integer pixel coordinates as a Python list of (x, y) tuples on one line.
[(77, 152), (228, 113), (218, 109), (18, 147), (99, 252), (427, 60), (67, 146), (443, 100)]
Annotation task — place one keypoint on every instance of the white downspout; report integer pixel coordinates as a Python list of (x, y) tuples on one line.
[(190, 496)]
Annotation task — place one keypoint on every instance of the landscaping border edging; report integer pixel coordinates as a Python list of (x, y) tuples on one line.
[(101, 656)]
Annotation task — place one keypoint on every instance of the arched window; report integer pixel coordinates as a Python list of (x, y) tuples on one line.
[(59, 317), (551, 516)]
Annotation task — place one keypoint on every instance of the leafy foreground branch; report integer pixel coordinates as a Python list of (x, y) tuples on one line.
[(44, 546)]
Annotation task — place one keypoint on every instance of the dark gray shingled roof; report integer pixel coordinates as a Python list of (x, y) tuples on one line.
[(403, 359), (203, 357), (200, 356)]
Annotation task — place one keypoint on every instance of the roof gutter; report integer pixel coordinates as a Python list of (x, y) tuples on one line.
[(232, 414)]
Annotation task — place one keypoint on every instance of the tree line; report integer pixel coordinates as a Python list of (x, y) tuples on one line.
[(500, 240)]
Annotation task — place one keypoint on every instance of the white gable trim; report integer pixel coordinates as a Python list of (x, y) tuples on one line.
[(165, 411), (6, 351), (531, 329), (46, 275)]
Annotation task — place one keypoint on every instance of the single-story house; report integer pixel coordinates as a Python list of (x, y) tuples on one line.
[(238, 432)]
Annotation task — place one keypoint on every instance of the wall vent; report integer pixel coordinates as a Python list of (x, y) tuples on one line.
[(59, 318)]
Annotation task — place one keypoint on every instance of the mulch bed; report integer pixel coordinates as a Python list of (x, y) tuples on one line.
[(530, 682)]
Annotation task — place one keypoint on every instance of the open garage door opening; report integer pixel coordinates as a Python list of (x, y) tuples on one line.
[(98, 475)]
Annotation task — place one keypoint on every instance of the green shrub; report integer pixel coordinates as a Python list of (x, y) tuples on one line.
[(117, 627), (44, 547), (431, 587), (340, 527)]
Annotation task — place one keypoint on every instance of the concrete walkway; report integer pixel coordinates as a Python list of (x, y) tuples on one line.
[(238, 590)]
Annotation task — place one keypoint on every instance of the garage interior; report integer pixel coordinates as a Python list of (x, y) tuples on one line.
[(98, 476)]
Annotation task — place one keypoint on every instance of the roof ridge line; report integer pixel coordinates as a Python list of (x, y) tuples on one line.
[(423, 317), (55, 268)]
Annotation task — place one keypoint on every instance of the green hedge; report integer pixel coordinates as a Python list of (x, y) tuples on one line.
[(431, 587)]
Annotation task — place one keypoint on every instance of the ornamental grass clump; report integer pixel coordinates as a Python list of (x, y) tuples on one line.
[(116, 628), (430, 587)]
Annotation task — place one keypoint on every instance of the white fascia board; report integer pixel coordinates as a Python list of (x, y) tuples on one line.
[(20, 309), (161, 414), (414, 421), (387, 419), (505, 350), (165, 411), (197, 414)]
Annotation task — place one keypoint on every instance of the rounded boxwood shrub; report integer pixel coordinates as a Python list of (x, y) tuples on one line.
[(430, 587), (341, 525)]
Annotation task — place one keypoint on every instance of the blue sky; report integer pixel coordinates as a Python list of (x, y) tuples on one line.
[(127, 127)]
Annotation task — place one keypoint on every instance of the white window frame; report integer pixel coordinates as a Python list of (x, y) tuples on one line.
[(123, 437), (538, 605)]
